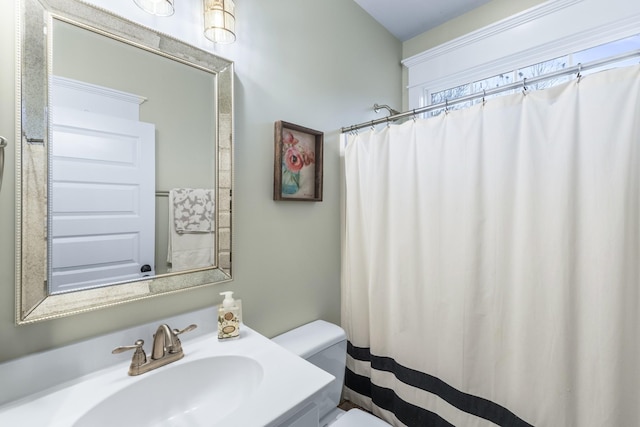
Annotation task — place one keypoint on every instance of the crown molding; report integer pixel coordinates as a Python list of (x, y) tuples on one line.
[(506, 24), (591, 37)]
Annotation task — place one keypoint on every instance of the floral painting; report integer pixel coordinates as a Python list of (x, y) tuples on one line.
[(298, 163)]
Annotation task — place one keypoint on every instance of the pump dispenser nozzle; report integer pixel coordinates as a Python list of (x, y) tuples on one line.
[(228, 301)]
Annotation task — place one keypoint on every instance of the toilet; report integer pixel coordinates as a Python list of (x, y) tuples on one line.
[(325, 345)]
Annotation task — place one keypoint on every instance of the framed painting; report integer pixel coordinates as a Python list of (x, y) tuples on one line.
[(297, 166)]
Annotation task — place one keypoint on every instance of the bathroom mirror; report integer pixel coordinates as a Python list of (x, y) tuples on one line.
[(113, 117)]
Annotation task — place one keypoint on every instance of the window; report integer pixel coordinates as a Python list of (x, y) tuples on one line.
[(607, 50)]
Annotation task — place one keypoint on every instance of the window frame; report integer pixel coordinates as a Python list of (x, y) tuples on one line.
[(526, 38)]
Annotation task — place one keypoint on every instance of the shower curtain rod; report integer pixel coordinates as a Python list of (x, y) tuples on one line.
[(576, 69)]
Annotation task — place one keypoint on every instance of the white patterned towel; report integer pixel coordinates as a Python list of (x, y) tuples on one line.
[(193, 210)]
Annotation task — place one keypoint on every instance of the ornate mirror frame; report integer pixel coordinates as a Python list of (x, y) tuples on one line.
[(33, 70)]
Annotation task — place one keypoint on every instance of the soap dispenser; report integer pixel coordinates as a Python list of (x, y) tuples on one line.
[(228, 322)]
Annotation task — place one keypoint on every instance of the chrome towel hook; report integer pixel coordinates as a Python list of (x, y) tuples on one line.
[(3, 143)]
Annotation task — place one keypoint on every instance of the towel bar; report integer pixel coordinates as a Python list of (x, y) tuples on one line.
[(3, 143)]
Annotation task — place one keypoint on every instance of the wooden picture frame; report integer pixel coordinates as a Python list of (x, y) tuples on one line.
[(297, 166)]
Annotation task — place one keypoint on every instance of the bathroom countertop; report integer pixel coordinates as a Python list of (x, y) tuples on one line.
[(271, 402)]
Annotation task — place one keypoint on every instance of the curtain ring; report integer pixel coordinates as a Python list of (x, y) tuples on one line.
[(484, 94), (446, 106), (372, 127), (414, 115), (388, 124), (579, 75), (524, 86)]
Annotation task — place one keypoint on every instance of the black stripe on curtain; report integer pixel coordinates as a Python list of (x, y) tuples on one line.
[(412, 415), (386, 398)]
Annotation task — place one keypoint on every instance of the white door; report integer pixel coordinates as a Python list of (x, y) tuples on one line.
[(102, 200)]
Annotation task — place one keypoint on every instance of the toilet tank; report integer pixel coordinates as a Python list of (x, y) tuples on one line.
[(324, 345)]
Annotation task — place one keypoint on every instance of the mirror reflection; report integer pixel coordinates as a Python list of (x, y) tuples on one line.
[(125, 164), (128, 126)]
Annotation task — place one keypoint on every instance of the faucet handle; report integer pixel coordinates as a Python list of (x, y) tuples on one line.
[(177, 345), (136, 346), (187, 329), (139, 356)]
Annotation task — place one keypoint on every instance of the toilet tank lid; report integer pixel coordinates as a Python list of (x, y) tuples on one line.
[(309, 339)]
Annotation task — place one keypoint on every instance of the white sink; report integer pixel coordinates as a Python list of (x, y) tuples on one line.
[(247, 382), (199, 392)]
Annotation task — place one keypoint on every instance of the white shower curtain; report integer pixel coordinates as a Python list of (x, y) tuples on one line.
[(491, 261)]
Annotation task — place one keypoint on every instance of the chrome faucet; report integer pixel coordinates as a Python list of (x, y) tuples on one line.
[(167, 348)]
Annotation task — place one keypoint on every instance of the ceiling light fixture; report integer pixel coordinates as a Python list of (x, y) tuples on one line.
[(220, 21), (156, 7)]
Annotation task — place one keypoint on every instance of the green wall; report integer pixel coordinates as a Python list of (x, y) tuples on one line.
[(317, 64)]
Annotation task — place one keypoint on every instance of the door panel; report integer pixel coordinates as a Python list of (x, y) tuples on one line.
[(102, 201)]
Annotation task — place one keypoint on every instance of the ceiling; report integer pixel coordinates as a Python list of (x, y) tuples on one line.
[(406, 19)]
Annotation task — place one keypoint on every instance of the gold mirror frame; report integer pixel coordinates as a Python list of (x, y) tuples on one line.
[(33, 69)]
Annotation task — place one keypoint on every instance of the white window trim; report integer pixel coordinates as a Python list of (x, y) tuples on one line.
[(544, 32)]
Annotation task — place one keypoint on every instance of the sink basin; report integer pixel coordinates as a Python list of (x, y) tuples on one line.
[(198, 392)]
